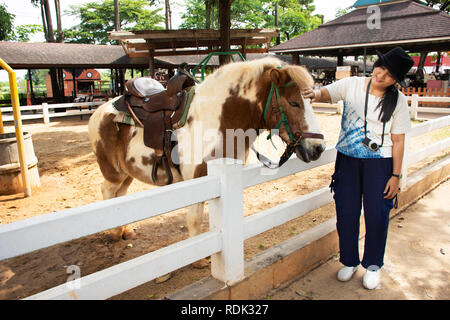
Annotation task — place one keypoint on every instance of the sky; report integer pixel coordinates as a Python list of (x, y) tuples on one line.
[(27, 14)]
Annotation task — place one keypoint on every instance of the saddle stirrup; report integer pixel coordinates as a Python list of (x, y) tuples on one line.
[(161, 160)]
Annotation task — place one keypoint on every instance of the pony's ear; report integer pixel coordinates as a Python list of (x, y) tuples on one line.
[(279, 77)]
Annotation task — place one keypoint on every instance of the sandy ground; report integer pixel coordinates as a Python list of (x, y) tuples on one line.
[(70, 178)]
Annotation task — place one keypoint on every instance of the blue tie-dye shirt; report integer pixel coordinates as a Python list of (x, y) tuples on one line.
[(353, 93)]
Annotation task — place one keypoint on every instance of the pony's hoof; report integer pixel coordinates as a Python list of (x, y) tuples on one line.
[(200, 264), (128, 234), (115, 235), (163, 278)]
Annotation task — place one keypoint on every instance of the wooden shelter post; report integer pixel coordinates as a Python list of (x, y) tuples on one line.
[(365, 63), (295, 58)]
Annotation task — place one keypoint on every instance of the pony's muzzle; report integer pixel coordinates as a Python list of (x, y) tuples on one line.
[(310, 149)]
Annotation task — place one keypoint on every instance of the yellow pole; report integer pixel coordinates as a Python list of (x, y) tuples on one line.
[(18, 127), (2, 131)]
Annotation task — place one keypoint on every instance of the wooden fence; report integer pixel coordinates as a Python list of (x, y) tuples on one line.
[(425, 92)]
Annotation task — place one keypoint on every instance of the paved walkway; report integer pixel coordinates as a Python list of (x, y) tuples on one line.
[(417, 260)]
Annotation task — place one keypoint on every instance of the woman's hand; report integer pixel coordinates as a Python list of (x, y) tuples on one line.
[(391, 188), (308, 93)]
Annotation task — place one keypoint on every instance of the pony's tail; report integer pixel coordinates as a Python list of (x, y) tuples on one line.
[(301, 76)]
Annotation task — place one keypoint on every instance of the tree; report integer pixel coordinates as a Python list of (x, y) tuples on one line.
[(20, 33), (294, 16), (443, 5), (6, 23), (97, 19), (25, 31), (343, 11)]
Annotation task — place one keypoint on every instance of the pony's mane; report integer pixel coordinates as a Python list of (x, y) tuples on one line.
[(300, 75), (247, 71)]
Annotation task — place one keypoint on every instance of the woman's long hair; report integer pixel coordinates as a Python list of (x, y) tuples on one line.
[(389, 100)]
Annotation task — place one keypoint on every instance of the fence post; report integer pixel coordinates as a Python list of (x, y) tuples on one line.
[(226, 214), (45, 113), (414, 106), (405, 160)]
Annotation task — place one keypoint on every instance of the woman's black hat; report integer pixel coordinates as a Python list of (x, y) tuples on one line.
[(398, 63)]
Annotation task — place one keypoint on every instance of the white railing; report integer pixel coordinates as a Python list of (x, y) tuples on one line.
[(415, 99), (414, 109), (46, 111), (222, 187)]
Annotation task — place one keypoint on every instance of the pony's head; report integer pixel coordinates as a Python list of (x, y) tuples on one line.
[(285, 109), (262, 94)]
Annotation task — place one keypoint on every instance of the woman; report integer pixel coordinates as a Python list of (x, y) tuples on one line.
[(369, 160)]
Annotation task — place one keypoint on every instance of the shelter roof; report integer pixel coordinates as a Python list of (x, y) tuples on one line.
[(24, 55), (143, 43), (409, 24)]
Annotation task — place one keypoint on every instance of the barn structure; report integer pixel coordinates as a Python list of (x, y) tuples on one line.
[(77, 81)]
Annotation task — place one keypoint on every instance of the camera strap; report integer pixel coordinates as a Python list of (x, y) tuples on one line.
[(365, 115)]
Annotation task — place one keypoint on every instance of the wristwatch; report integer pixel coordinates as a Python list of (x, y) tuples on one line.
[(397, 175)]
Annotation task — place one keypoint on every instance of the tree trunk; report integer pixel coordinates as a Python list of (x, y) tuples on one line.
[(60, 34), (168, 15), (48, 18), (278, 41), (116, 16), (44, 22), (225, 24), (209, 7)]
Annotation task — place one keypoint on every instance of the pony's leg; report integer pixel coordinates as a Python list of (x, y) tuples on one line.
[(128, 232), (194, 221), (112, 190)]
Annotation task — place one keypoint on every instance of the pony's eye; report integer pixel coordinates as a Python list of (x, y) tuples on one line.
[(294, 104)]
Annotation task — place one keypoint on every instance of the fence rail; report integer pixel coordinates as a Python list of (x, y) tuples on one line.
[(44, 111), (223, 187), (414, 101)]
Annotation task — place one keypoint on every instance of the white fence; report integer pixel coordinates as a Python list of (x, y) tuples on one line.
[(413, 109), (415, 99), (46, 111), (222, 187)]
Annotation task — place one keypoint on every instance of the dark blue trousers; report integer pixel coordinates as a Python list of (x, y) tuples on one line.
[(356, 182)]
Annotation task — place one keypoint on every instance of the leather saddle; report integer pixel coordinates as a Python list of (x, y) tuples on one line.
[(159, 113)]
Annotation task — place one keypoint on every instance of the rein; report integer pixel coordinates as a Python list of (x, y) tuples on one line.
[(295, 138)]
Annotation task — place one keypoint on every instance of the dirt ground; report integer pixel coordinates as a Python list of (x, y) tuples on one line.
[(70, 178)]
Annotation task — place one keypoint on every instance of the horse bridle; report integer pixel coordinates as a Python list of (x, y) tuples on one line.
[(295, 138)]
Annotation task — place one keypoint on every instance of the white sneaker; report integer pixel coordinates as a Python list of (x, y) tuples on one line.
[(346, 273), (371, 279)]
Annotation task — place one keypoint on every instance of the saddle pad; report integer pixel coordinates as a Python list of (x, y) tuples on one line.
[(124, 118), (189, 98)]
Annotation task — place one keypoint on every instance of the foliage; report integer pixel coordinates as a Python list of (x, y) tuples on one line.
[(343, 11), (38, 76), (97, 19), (294, 16), (443, 5), (25, 31), (6, 23)]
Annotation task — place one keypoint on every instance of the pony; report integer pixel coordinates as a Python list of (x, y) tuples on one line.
[(237, 97)]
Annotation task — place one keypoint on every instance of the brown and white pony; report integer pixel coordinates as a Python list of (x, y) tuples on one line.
[(233, 97)]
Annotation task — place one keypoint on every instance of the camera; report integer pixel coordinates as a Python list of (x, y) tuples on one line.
[(370, 144)]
